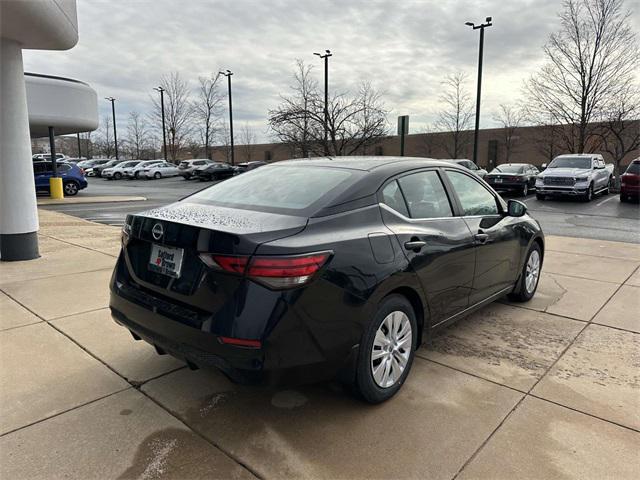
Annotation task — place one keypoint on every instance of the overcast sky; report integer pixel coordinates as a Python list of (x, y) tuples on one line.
[(404, 47)]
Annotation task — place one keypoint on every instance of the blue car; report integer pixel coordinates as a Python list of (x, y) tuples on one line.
[(72, 177)]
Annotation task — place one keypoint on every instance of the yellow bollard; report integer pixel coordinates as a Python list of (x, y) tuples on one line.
[(55, 188)]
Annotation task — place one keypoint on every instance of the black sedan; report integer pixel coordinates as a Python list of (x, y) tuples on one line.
[(513, 177), (214, 171), (305, 270)]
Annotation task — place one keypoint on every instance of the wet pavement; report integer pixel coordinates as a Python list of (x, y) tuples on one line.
[(546, 389)]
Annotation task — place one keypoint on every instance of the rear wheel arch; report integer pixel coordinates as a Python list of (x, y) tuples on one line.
[(418, 305)]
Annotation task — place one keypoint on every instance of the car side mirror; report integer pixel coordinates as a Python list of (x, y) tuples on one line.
[(543, 166), (516, 208), (599, 167)]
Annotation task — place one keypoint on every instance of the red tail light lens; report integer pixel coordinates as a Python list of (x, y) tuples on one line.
[(241, 342), (273, 271), (286, 266)]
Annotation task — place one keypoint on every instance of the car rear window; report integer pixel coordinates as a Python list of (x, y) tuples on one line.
[(633, 168), (508, 169), (292, 190)]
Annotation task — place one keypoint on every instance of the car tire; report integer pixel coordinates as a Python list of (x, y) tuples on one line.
[(540, 196), (391, 367), (70, 188), (117, 176), (525, 189), (157, 175), (623, 198), (588, 196), (527, 284)]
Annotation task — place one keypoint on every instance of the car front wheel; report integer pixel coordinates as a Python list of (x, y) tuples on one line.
[(157, 175), (527, 285), (525, 189), (387, 350), (117, 176)]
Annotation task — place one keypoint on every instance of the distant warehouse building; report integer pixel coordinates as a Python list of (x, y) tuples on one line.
[(535, 145)]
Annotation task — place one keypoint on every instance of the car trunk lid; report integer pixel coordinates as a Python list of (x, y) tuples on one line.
[(187, 230)]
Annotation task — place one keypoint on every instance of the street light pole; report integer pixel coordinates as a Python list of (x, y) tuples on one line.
[(164, 128), (79, 149), (477, 126), (326, 56), (115, 131), (228, 74)]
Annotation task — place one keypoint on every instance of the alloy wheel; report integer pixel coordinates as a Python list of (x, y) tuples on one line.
[(70, 188), (532, 272), (525, 190), (391, 349)]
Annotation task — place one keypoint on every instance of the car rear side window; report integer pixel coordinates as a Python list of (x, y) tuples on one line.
[(474, 198), (279, 189), (426, 196), (392, 197), (633, 168)]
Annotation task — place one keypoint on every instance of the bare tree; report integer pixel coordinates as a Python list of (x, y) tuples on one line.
[(88, 144), (354, 124), (619, 129), (428, 141), (290, 122), (456, 115), (590, 60), (207, 110), (509, 118), (178, 111), (224, 140), (137, 135), (247, 139), (105, 143)]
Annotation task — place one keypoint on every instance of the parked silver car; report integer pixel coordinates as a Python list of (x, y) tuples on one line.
[(468, 164), (575, 174)]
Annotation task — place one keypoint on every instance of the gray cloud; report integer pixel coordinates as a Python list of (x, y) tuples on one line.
[(405, 48)]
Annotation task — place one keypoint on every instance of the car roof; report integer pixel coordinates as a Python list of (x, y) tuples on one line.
[(514, 164), (579, 155), (366, 163)]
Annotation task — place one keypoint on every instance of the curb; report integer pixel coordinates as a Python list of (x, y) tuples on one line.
[(97, 199)]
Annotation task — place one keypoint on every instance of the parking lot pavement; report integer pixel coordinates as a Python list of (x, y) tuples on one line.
[(547, 389), (605, 218)]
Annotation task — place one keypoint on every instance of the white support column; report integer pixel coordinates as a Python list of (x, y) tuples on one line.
[(18, 206)]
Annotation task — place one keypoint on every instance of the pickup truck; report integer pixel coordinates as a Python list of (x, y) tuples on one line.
[(576, 174)]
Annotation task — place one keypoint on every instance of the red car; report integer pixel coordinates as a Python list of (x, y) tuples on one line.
[(630, 182)]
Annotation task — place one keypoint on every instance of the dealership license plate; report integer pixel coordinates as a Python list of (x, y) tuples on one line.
[(166, 260), (498, 180)]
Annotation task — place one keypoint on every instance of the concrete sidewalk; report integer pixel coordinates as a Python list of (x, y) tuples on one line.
[(547, 389)]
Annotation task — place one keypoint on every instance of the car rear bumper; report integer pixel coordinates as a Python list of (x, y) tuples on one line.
[(630, 190), (289, 353), (506, 186)]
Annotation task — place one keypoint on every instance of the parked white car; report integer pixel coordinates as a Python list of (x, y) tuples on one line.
[(117, 172), (136, 171), (160, 170)]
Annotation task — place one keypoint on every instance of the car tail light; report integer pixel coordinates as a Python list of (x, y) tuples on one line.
[(273, 271), (241, 342)]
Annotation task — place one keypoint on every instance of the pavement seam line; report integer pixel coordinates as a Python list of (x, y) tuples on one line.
[(65, 411), (196, 432), (533, 395), (491, 435), (137, 387), (3, 285), (596, 256)]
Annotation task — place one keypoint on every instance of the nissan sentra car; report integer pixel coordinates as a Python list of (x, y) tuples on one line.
[(306, 270)]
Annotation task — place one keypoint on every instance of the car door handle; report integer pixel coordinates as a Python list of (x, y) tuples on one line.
[(481, 238), (415, 245)]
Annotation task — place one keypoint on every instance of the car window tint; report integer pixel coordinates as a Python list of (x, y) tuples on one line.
[(392, 197), (64, 168), (474, 198), (425, 195), (285, 189)]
